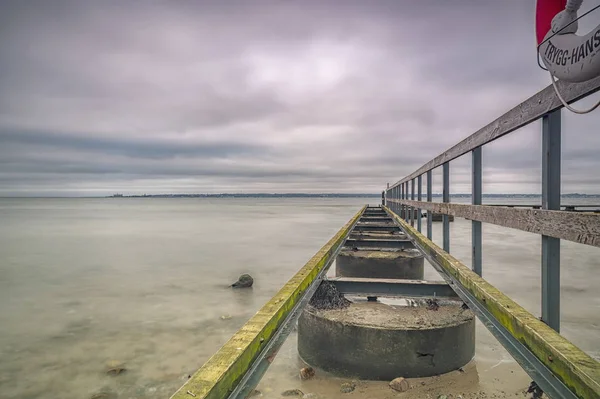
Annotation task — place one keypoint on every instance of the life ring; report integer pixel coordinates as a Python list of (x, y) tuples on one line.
[(567, 56)]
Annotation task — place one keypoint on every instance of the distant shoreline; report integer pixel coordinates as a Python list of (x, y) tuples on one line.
[(331, 195), (296, 195)]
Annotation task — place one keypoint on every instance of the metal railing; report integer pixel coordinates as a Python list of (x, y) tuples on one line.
[(549, 221)]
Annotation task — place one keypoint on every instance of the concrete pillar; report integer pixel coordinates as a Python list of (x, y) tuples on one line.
[(395, 264), (375, 341)]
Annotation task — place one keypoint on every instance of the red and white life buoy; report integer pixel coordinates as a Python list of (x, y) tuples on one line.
[(567, 56)]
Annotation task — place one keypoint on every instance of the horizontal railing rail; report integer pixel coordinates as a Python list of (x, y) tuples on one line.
[(583, 228)]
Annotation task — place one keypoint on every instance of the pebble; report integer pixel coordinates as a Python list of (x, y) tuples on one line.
[(103, 395), (115, 367), (399, 384), (307, 373), (347, 387), (442, 397), (292, 392)]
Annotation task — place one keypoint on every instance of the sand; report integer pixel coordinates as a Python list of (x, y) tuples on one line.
[(416, 316), (492, 374)]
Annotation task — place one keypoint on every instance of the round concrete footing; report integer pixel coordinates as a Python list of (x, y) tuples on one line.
[(397, 264), (375, 341), (374, 235)]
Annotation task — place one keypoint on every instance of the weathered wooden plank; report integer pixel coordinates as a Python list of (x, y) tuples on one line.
[(223, 371), (583, 228), (523, 114), (576, 369)]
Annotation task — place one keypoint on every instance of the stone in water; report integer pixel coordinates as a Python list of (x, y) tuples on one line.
[(245, 281)]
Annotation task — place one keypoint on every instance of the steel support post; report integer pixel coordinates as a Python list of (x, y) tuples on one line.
[(412, 197), (419, 198), (446, 198), (476, 189), (429, 215), (406, 197), (551, 159)]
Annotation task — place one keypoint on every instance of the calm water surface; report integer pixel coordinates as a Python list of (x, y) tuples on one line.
[(145, 282)]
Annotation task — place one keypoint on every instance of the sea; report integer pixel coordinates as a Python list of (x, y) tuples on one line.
[(145, 282)]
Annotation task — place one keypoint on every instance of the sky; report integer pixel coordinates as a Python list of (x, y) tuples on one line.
[(99, 97)]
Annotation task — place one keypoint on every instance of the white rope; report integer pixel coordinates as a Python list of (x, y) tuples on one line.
[(567, 106), (573, 5)]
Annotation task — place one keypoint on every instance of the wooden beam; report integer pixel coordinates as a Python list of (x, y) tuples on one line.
[(224, 370), (583, 228), (577, 370), (523, 114)]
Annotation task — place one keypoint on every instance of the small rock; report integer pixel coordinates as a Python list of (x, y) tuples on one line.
[(432, 304), (226, 317), (103, 395), (442, 397), (347, 387), (399, 384), (310, 396), (245, 281), (292, 392), (255, 392), (115, 367), (307, 373)]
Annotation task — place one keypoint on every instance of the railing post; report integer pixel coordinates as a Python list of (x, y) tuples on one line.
[(406, 197), (551, 159), (412, 197), (419, 198), (387, 191), (476, 189), (403, 207), (446, 198), (400, 196), (429, 197)]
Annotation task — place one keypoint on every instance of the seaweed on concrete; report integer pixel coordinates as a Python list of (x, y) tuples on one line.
[(327, 297)]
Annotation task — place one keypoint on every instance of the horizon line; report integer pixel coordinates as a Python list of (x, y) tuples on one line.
[(119, 195)]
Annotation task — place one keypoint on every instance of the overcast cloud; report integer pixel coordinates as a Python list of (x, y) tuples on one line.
[(98, 97)]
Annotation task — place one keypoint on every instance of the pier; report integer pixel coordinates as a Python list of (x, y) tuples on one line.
[(384, 231)]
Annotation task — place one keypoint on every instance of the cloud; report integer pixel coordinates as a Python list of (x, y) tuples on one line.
[(267, 96)]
